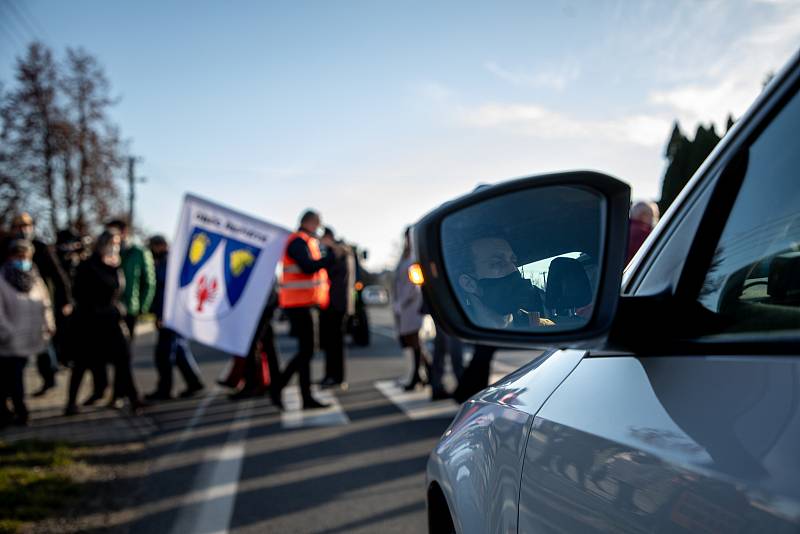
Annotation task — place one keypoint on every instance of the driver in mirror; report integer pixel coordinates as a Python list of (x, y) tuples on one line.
[(495, 291)]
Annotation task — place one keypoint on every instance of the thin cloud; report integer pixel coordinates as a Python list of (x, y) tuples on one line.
[(734, 80), (557, 80), (537, 121)]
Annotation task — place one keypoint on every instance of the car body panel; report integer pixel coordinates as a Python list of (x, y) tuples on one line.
[(481, 453), (638, 444)]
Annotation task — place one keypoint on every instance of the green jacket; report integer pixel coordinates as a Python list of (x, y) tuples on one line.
[(140, 279)]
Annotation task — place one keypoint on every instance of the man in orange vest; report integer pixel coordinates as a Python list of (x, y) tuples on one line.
[(303, 287)]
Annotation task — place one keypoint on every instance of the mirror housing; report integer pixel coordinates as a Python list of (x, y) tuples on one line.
[(448, 311)]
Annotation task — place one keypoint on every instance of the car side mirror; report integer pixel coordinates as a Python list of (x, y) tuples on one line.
[(530, 262)]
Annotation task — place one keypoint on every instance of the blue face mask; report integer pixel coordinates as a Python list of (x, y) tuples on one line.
[(22, 265)]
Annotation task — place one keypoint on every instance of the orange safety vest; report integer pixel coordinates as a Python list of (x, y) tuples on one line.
[(298, 289)]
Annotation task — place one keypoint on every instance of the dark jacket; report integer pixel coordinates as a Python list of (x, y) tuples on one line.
[(157, 307), (637, 233), (342, 274), (97, 291)]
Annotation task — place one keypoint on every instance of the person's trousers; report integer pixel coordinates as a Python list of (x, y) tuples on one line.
[(124, 385), (80, 365), (12, 385), (130, 322), (444, 343), (332, 327), (302, 323), (47, 367), (476, 375), (172, 348)]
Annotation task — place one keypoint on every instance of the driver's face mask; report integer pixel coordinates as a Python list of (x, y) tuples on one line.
[(507, 294)]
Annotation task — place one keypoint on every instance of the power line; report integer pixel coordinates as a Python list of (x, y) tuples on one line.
[(32, 20), (12, 8), (10, 30)]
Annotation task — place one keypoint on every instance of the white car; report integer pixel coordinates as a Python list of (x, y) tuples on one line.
[(671, 406)]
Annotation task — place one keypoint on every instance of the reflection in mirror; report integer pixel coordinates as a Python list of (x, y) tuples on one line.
[(526, 260)]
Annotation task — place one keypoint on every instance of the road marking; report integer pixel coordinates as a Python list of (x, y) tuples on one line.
[(293, 416), (416, 404), (217, 482), (385, 331)]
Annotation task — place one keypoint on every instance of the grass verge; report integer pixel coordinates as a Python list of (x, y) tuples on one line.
[(36, 482)]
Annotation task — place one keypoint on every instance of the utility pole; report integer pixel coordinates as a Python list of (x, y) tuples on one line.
[(132, 180)]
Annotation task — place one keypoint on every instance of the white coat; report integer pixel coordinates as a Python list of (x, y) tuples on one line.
[(26, 319), (407, 301)]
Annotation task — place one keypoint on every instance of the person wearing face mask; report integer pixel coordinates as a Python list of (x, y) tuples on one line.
[(26, 325), (494, 291), (171, 347), (497, 296), (303, 287), (23, 227), (98, 334), (140, 277)]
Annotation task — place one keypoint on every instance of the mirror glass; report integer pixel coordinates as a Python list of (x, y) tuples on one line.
[(527, 260)]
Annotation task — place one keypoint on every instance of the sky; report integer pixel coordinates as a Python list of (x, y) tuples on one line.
[(376, 112)]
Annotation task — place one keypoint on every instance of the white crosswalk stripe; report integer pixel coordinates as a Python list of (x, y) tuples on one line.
[(293, 416), (416, 404)]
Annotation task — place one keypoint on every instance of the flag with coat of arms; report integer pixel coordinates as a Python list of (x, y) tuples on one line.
[(220, 272)]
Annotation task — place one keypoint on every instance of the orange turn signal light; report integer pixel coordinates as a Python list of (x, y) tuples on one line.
[(359, 286), (415, 274)]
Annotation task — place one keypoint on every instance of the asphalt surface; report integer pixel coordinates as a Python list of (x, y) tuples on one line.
[(218, 465)]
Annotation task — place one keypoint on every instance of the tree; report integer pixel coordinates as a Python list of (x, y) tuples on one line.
[(684, 157), (94, 148), (60, 154), (30, 115)]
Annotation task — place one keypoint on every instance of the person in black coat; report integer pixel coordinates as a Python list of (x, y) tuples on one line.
[(22, 227), (171, 347), (97, 335), (333, 319)]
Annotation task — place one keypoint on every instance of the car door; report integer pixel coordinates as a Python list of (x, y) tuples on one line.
[(705, 436)]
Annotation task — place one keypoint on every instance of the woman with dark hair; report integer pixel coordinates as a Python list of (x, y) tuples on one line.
[(98, 334), (26, 325)]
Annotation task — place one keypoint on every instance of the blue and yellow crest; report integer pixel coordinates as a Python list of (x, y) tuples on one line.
[(240, 259)]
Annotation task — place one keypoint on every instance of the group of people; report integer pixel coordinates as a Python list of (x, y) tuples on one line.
[(76, 304), (316, 293)]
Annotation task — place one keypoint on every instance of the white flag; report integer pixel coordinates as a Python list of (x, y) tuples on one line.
[(220, 272)]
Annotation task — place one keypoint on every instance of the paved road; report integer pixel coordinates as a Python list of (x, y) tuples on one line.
[(224, 466)]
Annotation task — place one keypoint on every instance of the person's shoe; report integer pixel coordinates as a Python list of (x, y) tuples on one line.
[(21, 419), (329, 382), (158, 396), (92, 399), (411, 386), (137, 406), (71, 409), (115, 403), (275, 397), (43, 390), (314, 404), (191, 391), (440, 395)]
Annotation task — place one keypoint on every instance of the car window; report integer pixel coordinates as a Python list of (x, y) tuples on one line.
[(753, 283)]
